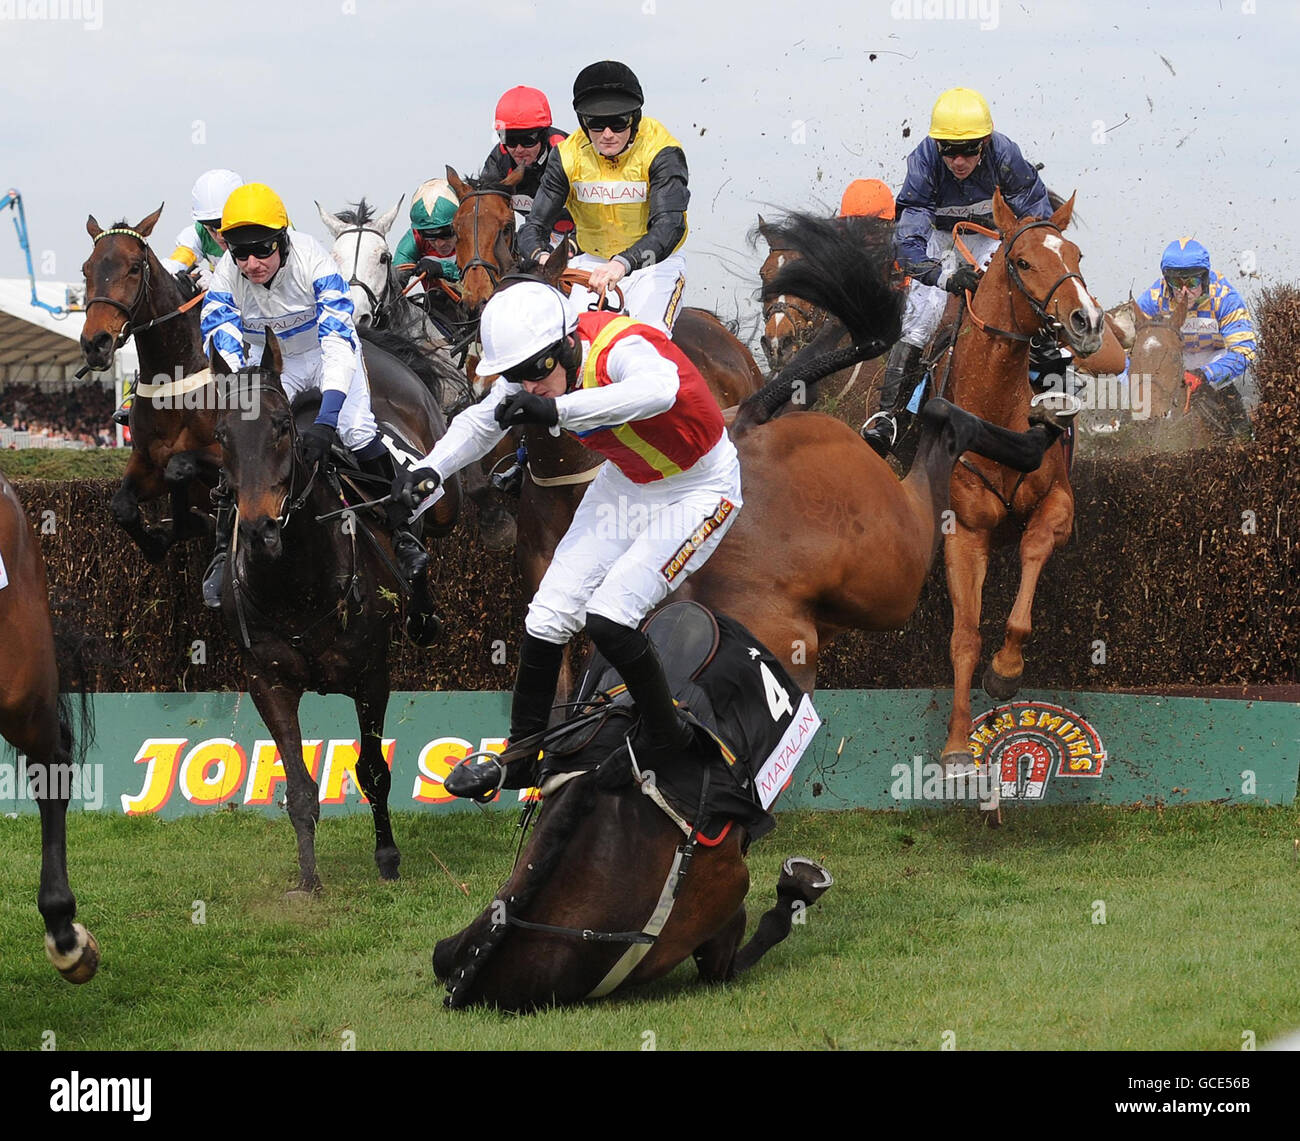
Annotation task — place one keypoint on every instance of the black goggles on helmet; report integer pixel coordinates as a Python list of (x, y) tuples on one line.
[(598, 123), (442, 234), (535, 368), (522, 138), (260, 250), (959, 148)]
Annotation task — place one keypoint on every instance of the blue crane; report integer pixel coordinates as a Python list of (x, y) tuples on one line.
[(14, 199)]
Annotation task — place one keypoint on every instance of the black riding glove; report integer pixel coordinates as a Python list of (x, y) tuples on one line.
[(315, 443), (430, 269), (962, 278), (527, 408), (411, 487)]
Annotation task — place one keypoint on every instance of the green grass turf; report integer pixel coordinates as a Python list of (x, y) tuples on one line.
[(935, 924), (45, 463)]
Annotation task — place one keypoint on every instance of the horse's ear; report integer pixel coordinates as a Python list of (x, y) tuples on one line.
[(1061, 218), (384, 222), (556, 264), (272, 358), (93, 228), (145, 227), (458, 184), (1004, 218), (216, 362), (333, 223), (1139, 318), (513, 177)]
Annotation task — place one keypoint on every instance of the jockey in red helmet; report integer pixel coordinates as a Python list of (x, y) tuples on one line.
[(527, 139)]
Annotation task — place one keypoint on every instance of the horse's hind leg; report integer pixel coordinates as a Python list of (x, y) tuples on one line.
[(716, 958), (70, 947), (278, 705), (372, 772), (1048, 529)]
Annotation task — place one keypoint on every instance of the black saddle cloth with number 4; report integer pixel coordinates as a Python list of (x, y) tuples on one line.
[(757, 721)]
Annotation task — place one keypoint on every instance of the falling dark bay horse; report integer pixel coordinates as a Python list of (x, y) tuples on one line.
[(313, 603), (172, 448), (38, 722), (828, 539)]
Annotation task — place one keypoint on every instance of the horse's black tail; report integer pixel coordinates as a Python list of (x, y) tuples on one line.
[(76, 713), (440, 377), (846, 267)]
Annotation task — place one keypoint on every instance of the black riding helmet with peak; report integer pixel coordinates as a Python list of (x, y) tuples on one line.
[(608, 90)]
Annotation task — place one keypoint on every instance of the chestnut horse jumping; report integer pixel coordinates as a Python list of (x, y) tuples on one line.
[(828, 539), (1032, 283), (172, 449), (37, 721)]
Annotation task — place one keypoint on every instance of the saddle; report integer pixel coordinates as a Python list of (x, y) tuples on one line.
[(725, 682)]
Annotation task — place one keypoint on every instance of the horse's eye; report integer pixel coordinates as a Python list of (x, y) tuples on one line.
[(1021, 263), (135, 269), (385, 258)]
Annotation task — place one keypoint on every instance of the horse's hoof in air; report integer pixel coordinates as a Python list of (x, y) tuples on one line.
[(998, 687), (154, 546), (805, 879), (80, 964), (424, 629)]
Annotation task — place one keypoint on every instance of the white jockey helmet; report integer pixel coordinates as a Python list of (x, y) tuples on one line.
[(210, 193), (522, 322)]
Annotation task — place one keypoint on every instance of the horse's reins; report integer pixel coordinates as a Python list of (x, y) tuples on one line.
[(128, 330)]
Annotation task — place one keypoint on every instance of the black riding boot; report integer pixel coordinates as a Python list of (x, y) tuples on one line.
[(214, 576), (530, 710), (412, 558), (662, 731), (1235, 412), (902, 371)]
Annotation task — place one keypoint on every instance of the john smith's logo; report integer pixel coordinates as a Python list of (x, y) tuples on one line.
[(1029, 742)]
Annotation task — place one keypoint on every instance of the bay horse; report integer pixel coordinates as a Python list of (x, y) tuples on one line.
[(1032, 283), (173, 452), (1174, 422), (828, 539), (37, 720), (313, 603)]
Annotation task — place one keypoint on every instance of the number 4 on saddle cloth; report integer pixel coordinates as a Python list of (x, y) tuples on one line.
[(757, 723)]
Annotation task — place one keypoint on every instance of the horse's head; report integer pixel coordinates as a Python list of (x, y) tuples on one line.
[(485, 234), (1156, 359), (361, 251), (1042, 266), (256, 432), (119, 274), (788, 323)]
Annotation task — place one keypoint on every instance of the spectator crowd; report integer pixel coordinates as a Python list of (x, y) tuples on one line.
[(82, 414)]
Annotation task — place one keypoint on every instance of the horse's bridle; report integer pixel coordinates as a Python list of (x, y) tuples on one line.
[(376, 303), (141, 294), (476, 260), (128, 330), (1046, 322)]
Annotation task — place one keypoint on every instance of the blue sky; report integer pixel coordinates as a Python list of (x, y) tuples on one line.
[(776, 105)]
